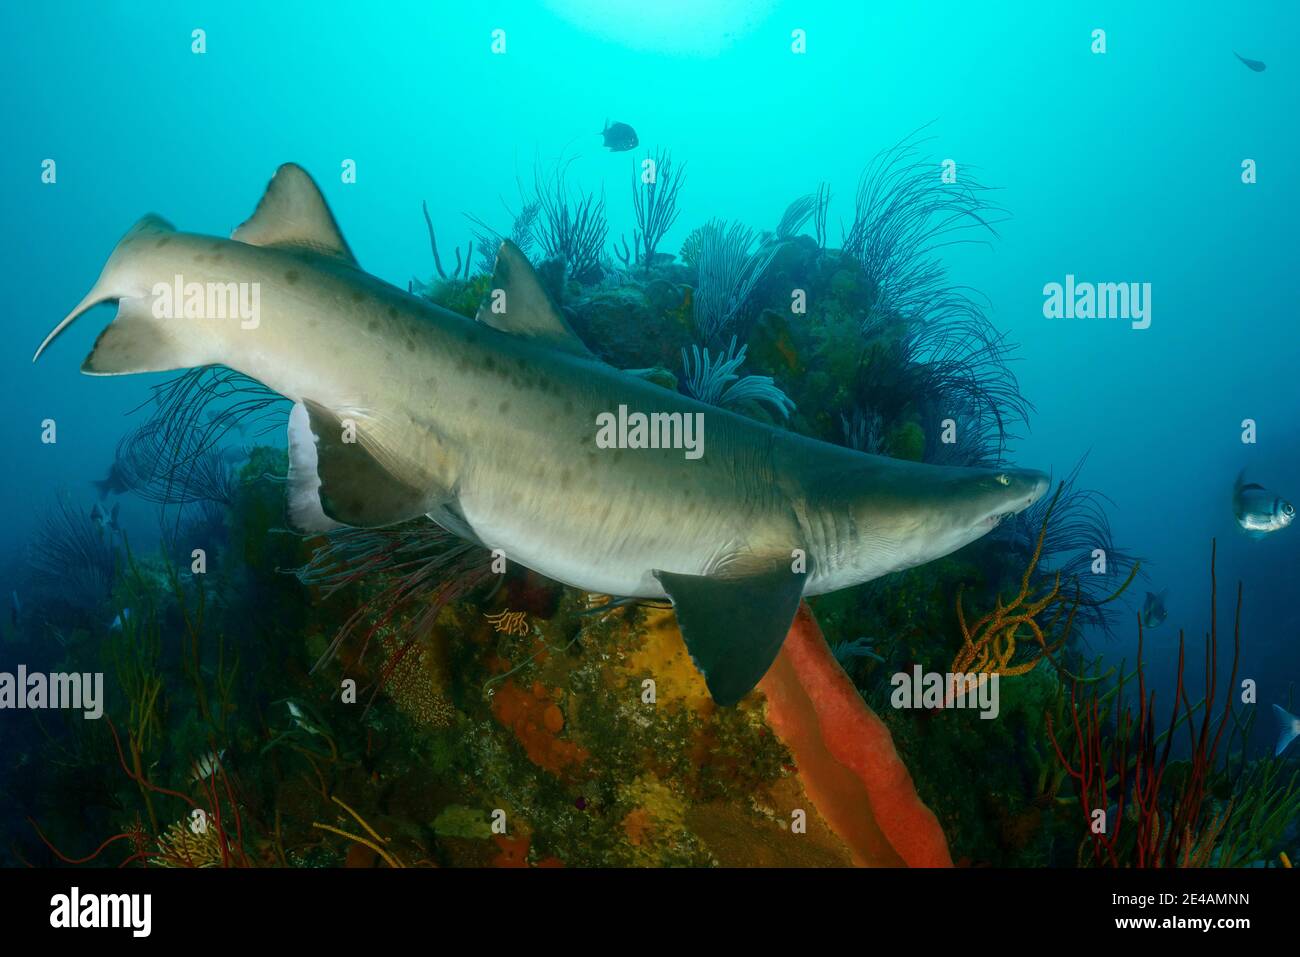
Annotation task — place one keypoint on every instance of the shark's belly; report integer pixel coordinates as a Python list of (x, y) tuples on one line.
[(606, 523)]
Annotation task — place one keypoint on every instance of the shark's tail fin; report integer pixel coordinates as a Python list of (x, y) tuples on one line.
[(1288, 728), (115, 281)]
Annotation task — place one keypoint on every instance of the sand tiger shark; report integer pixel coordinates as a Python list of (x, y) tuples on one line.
[(488, 427)]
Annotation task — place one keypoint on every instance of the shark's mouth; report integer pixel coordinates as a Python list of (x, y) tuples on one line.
[(994, 520)]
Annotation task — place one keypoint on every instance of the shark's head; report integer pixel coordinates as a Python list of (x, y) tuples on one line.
[(932, 511)]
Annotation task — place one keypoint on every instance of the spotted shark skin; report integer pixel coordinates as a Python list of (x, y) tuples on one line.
[(489, 427)]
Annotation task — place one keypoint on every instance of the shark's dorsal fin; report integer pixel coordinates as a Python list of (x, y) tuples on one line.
[(734, 627), (293, 214), (518, 304)]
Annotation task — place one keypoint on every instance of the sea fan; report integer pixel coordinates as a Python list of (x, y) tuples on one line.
[(716, 381)]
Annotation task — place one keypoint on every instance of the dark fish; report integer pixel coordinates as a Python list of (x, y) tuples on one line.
[(619, 137), (97, 516), (112, 519), (1256, 65), (1153, 610), (114, 482)]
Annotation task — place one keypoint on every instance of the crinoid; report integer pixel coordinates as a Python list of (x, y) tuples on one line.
[(991, 643)]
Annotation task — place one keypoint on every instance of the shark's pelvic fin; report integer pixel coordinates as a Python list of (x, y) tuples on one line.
[(518, 304), (115, 281), (354, 486), (294, 214), (734, 628)]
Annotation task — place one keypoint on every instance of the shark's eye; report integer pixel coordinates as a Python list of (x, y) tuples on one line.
[(1004, 480)]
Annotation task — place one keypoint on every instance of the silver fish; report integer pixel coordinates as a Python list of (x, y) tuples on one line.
[(203, 768), (1153, 610), (1257, 510), (1288, 729)]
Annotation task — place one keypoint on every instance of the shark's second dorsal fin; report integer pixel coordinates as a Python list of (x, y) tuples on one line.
[(293, 213), (518, 304)]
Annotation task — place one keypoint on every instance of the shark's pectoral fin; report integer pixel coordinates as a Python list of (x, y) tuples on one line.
[(518, 304), (734, 627), (294, 214), (353, 486)]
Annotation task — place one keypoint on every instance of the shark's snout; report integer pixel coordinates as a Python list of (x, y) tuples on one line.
[(1038, 483), (1014, 491)]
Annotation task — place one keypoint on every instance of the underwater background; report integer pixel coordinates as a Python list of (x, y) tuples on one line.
[(1122, 166)]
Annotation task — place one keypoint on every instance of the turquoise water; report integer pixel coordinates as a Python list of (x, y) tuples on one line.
[(1115, 167)]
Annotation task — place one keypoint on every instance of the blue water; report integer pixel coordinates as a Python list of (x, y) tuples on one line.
[(1116, 167)]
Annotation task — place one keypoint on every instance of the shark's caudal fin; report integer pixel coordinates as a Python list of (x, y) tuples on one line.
[(1288, 729), (119, 281)]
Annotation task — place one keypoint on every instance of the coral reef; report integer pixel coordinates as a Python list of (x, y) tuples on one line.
[(396, 701)]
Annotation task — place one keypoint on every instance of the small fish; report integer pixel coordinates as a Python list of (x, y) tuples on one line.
[(859, 648), (1288, 729), (301, 720), (97, 516), (1256, 65), (1153, 610), (619, 137), (233, 454), (214, 415), (120, 619), (206, 766), (1259, 511), (112, 518), (115, 482)]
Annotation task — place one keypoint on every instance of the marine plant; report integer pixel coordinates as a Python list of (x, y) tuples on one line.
[(992, 643), (437, 260), (1079, 527), (796, 216), (522, 233), (715, 380), (74, 558), (571, 228), (1154, 814), (905, 212), (174, 457), (417, 564), (654, 199), (730, 264)]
